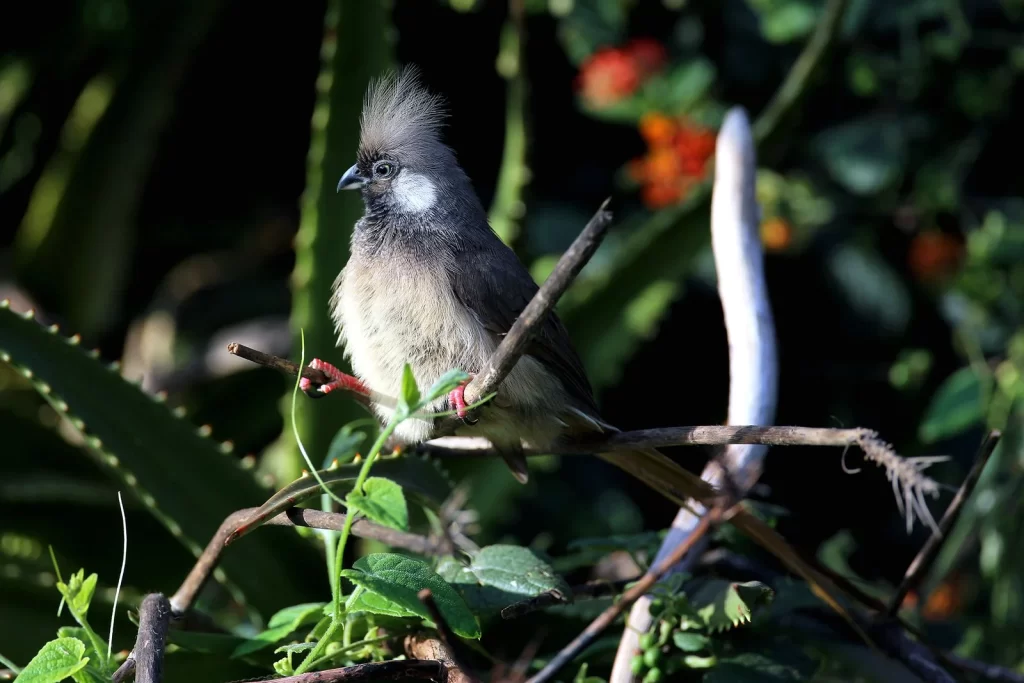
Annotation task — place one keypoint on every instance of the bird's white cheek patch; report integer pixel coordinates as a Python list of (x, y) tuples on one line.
[(414, 192)]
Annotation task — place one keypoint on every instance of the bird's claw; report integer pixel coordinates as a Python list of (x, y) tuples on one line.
[(457, 399), (339, 380)]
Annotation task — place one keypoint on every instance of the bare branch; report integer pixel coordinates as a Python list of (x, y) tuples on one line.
[(514, 344), (395, 670), (592, 589), (146, 659), (428, 646), (918, 569), (455, 668), (313, 519)]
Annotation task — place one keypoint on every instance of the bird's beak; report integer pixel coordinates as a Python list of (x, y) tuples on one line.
[(351, 180)]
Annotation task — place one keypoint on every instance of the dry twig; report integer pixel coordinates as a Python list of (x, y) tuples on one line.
[(395, 670), (147, 657), (930, 550)]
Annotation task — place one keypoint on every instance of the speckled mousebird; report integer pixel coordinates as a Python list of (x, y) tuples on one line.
[(429, 282)]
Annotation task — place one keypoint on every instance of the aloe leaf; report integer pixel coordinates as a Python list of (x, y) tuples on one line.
[(420, 477), (353, 51), (187, 481)]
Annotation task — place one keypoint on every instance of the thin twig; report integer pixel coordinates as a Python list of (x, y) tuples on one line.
[(918, 569), (147, 658), (428, 646), (447, 639), (395, 670), (590, 590), (313, 519), (529, 321), (605, 619)]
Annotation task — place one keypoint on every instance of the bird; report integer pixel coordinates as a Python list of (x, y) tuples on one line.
[(429, 283)]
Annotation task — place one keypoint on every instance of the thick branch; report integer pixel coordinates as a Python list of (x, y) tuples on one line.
[(314, 519), (146, 660)]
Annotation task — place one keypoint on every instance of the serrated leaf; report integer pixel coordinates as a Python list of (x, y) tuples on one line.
[(280, 626), (445, 384), (399, 579), (56, 660), (80, 592), (382, 501), (409, 401), (958, 405), (690, 642), (726, 604), (187, 483)]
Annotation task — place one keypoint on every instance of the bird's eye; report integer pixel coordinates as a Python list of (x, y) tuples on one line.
[(383, 169)]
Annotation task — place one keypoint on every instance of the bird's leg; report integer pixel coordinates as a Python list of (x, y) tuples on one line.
[(457, 400), (339, 380)]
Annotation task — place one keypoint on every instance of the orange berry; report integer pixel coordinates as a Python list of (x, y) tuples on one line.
[(776, 234), (663, 166), (658, 195), (657, 129), (606, 77), (944, 602), (934, 255), (648, 55)]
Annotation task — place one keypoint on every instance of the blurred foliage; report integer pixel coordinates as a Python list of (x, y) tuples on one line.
[(163, 192)]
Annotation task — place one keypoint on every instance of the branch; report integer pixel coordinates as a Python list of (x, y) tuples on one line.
[(592, 589), (455, 669), (529, 321), (605, 619), (147, 657), (427, 646), (313, 519), (395, 670), (918, 569)]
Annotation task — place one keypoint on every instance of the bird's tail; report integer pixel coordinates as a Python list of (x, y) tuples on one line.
[(681, 486)]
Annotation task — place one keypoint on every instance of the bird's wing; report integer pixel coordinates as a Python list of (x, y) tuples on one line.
[(493, 285)]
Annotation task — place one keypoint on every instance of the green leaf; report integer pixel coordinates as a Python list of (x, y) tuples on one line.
[(725, 604), (186, 481), (445, 384), (686, 84), (57, 660), (398, 579), (751, 667), (382, 501), (958, 405), (791, 21), (344, 445), (517, 571), (864, 155), (79, 591), (690, 642), (409, 401), (280, 626), (500, 575)]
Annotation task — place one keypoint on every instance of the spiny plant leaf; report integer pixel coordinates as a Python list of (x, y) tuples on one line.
[(187, 481), (382, 501), (58, 659), (421, 477), (398, 579), (725, 604)]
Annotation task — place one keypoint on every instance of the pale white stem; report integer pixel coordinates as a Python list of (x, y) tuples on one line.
[(753, 363), (120, 578)]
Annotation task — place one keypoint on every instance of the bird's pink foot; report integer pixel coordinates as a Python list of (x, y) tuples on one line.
[(339, 380), (457, 400)]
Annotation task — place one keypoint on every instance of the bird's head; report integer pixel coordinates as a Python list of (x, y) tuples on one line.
[(403, 168)]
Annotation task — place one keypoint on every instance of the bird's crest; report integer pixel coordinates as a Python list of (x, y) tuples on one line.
[(400, 118)]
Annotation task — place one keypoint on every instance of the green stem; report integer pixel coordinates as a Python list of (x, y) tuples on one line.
[(354, 646)]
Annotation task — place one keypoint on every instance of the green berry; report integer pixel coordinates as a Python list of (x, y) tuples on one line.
[(651, 657), (647, 641), (653, 676), (657, 607), (637, 665)]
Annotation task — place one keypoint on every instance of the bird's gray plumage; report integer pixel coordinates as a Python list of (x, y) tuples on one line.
[(428, 282)]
